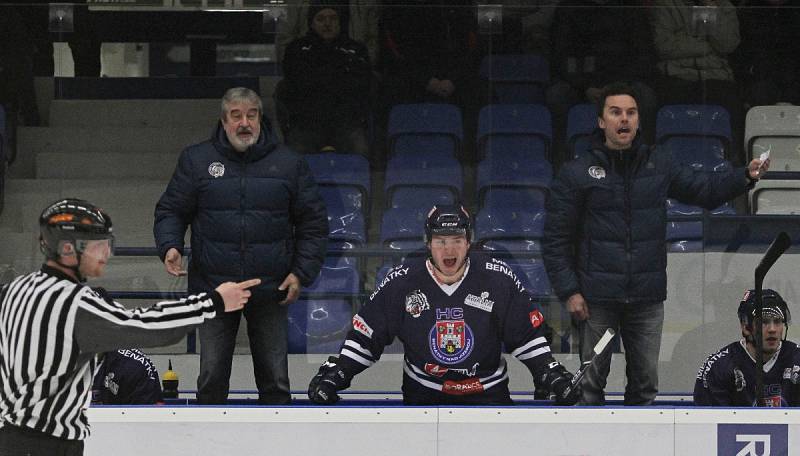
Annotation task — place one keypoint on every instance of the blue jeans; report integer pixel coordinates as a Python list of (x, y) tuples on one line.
[(267, 329), (639, 325)]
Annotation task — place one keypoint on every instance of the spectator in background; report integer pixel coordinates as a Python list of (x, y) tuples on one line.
[(360, 23), (590, 50), (126, 376), (17, 93), (766, 62), (326, 86), (693, 39), (430, 53), (526, 27)]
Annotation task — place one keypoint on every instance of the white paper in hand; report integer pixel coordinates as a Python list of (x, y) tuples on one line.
[(764, 156)]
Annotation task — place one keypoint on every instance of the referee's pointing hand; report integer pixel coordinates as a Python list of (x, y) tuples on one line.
[(236, 295)]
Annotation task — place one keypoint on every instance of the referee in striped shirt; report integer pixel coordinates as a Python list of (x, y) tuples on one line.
[(53, 328)]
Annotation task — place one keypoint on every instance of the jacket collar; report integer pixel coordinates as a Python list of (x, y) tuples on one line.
[(51, 271)]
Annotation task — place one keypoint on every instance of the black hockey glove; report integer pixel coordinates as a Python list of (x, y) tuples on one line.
[(559, 380), (330, 379)]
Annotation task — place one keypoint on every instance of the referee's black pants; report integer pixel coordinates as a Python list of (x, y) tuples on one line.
[(18, 441)]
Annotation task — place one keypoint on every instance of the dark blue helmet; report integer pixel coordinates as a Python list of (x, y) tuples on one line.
[(448, 220), (773, 306)]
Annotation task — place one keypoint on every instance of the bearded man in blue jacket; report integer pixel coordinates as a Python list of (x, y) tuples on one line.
[(604, 244), (255, 211)]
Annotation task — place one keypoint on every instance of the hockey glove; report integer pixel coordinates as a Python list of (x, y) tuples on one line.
[(561, 387), (330, 379)]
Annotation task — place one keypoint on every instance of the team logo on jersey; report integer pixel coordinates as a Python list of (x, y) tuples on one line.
[(479, 302), (536, 318), (216, 169), (738, 380), (597, 172), (361, 326), (416, 303), (451, 339)]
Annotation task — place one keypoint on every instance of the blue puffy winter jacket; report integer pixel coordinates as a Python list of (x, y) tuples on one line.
[(605, 233), (252, 214)]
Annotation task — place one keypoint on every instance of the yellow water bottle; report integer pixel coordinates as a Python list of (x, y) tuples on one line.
[(169, 383)]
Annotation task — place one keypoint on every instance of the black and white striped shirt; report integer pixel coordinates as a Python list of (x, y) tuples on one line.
[(51, 330)]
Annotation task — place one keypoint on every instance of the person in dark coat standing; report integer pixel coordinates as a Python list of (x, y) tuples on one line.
[(604, 239), (255, 211)]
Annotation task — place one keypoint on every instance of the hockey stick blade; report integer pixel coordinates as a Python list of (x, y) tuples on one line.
[(775, 250), (598, 349)]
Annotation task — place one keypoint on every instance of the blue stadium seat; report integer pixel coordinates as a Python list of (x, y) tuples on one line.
[(403, 228), (440, 170), (581, 122), (516, 78), (511, 230), (346, 224), (420, 197), (514, 199), (319, 326), (533, 275), (515, 169), (685, 236), (518, 120), (695, 121), (341, 169), (441, 124)]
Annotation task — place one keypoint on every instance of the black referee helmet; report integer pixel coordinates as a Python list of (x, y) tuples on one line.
[(72, 220)]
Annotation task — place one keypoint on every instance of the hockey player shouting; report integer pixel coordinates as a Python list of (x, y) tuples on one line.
[(452, 312), (728, 377)]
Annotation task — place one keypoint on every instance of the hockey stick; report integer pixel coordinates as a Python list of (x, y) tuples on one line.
[(598, 349), (775, 250)]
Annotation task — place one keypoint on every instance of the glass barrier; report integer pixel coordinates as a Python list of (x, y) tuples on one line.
[(398, 106)]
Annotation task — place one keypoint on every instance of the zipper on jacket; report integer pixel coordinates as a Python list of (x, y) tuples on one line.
[(627, 164), (242, 243)]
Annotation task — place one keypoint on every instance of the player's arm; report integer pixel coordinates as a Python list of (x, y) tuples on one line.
[(714, 385), (374, 327)]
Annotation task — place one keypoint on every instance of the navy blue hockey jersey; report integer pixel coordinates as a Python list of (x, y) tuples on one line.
[(452, 334), (127, 376), (728, 378)]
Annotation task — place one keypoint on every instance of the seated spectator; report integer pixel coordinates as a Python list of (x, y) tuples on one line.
[(693, 39), (526, 27), (728, 377), (589, 51), (430, 54), (326, 86), (126, 376), (362, 25), (766, 62)]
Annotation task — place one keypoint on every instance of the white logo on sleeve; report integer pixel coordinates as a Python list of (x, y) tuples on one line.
[(216, 169), (597, 172)]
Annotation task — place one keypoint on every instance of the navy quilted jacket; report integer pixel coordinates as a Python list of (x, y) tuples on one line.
[(252, 214), (605, 232)]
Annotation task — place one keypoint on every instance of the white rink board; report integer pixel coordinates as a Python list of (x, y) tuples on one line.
[(464, 431)]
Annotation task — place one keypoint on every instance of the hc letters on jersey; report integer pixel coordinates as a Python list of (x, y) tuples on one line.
[(361, 326), (416, 303)]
